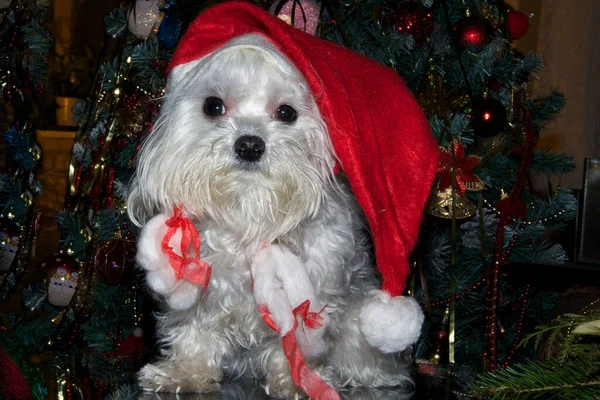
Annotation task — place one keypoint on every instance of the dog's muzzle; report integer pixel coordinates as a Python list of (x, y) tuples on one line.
[(249, 148)]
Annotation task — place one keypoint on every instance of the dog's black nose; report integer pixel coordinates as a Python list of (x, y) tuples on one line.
[(249, 148)]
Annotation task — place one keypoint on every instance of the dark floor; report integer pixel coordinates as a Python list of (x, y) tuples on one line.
[(248, 390)]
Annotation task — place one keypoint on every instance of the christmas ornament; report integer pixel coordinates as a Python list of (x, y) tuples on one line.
[(9, 242), (488, 117), (114, 261), (133, 346), (304, 14), (472, 31), (64, 278), (66, 387), (407, 17), (144, 18), (170, 27), (100, 192), (440, 204), (465, 178), (12, 384), (439, 352), (518, 24)]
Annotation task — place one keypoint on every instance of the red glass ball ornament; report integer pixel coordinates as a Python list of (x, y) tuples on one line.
[(9, 242), (472, 31), (518, 24), (114, 262), (407, 18), (488, 117)]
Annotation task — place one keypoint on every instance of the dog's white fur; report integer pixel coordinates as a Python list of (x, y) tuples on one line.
[(317, 240)]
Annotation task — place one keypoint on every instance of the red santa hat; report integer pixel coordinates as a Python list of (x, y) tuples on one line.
[(379, 134)]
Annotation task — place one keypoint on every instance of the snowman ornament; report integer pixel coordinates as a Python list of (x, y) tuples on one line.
[(63, 284)]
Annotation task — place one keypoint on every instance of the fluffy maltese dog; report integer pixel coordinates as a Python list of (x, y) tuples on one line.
[(241, 146)]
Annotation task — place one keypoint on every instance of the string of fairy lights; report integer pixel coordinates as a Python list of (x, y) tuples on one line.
[(121, 77), (531, 222)]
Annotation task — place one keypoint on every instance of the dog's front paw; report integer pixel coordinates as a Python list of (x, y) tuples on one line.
[(281, 386), (168, 377), (160, 276)]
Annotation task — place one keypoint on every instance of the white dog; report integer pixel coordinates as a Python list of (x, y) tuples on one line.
[(241, 146)]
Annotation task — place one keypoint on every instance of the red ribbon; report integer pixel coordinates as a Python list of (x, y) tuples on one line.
[(310, 382), (188, 265)]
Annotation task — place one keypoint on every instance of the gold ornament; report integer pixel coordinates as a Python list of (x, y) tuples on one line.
[(440, 204), (67, 386), (59, 317)]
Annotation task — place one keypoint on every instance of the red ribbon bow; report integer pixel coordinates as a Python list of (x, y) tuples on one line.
[(310, 382), (188, 265)]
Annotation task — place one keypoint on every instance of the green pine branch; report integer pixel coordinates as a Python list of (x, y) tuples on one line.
[(106, 224), (71, 232), (145, 57), (547, 163), (116, 22), (577, 379), (571, 369), (546, 109)]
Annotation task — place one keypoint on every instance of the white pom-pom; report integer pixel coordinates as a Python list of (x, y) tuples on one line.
[(183, 296), (390, 324)]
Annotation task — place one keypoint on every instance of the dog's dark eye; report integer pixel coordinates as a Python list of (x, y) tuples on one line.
[(214, 107), (286, 113)]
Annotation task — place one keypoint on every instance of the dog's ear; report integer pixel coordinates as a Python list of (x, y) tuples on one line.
[(182, 75), (144, 192), (137, 209)]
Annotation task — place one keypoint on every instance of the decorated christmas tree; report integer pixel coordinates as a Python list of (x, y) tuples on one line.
[(24, 45), (88, 315), (458, 59)]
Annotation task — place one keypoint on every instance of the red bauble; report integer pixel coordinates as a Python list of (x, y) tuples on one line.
[(408, 18), (488, 117), (114, 262), (473, 31), (518, 24)]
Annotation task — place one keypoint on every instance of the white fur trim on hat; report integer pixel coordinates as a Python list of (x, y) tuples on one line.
[(390, 324)]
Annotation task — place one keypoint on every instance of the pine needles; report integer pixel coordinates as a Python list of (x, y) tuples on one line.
[(573, 379), (572, 372)]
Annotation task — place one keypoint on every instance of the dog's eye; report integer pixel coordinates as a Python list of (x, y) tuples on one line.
[(286, 113), (214, 107)]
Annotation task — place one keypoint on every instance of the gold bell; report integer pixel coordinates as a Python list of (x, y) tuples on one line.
[(440, 204)]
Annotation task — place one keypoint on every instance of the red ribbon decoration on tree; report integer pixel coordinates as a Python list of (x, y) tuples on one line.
[(510, 207), (311, 383), (188, 265)]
